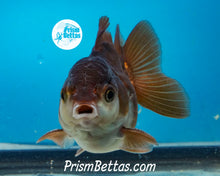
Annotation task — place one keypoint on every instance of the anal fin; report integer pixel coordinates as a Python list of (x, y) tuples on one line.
[(137, 141), (79, 152)]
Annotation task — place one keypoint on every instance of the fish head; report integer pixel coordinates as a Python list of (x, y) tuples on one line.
[(90, 95)]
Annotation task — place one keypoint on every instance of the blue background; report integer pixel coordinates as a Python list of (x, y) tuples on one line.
[(189, 34)]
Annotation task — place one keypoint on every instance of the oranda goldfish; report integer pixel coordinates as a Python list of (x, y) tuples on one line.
[(98, 104)]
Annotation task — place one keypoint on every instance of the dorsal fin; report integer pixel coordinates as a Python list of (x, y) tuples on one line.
[(154, 90), (118, 42), (102, 35)]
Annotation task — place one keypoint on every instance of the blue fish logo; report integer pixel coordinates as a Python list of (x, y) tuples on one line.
[(70, 31)]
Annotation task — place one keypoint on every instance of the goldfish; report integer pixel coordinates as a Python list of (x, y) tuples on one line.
[(99, 99)]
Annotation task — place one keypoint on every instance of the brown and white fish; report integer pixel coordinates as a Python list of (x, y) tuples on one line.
[(98, 105)]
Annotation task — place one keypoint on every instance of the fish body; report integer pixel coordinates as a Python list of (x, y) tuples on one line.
[(98, 104)]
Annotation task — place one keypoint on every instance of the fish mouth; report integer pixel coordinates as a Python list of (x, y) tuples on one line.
[(84, 111)]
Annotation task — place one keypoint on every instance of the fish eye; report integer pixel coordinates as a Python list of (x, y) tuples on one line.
[(109, 95), (63, 95)]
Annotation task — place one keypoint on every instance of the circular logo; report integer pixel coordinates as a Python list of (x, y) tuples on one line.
[(67, 34)]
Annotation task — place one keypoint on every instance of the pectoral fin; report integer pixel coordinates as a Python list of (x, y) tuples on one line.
[(59, 137), (137, 141)]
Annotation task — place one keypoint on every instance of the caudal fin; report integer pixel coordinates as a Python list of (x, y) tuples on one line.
[(155, 91)]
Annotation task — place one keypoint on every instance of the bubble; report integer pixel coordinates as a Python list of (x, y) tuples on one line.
[(40, 59), (216, 117), (139, 109)]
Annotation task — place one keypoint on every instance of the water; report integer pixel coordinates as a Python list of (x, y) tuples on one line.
[(33, 68)]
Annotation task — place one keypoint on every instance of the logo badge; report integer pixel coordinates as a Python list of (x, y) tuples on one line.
[(67, 34)]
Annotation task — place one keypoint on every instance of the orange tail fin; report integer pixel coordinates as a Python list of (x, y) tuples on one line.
[(154, 90)]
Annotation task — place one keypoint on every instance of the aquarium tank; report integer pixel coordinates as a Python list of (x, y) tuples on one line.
[(42, 40)]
